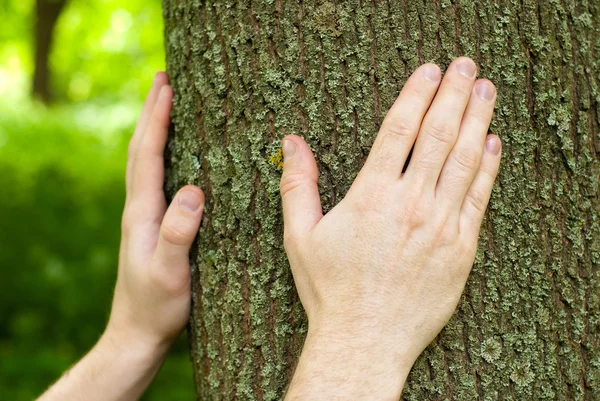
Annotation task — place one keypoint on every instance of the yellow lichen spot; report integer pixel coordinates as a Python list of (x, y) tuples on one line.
[(277, 159)]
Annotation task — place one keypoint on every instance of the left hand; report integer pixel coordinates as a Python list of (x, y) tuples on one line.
[(152, 295)]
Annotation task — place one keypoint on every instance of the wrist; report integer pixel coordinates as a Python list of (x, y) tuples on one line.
[(367, 343), (126, 329), (119, 367), (350, 362), (133, 346), (371, 332)]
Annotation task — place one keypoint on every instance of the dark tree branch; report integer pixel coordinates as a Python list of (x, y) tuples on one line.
[(46, 13)]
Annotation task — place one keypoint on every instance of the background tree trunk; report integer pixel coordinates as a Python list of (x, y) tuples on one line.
[(46, 16), (246, 73)]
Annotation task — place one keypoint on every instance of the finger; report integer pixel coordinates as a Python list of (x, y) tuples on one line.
[(478, 195), (148, 163), (177, 233), (160, 79), (440, 126), (401, 124), (299, 190), (463, 162)]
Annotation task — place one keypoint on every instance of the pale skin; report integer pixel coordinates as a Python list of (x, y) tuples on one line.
[(379, 276), (151, 303), (382, 273)]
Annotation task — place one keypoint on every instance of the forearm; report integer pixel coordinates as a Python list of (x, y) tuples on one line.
[(115, 369), (337, 365)]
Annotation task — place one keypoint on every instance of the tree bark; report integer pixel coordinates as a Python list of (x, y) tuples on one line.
[(46, 13), (246, 73)]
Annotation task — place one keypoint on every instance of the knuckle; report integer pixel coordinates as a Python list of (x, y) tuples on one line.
[(482, 117), (441, 132), (477, 199), (398, 129), (481, 120), (489, 172), (414, 218), (290, 182), (374, 198), (169, 283), (176, 235), (413, 214), (466, 158)]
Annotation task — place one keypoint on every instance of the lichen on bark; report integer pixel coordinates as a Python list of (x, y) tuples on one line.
[(247, 73)]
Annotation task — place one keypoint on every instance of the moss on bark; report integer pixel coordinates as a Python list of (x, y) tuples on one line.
[(246, 73)]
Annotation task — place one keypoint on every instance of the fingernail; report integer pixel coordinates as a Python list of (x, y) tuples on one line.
[(164, 92), (467, 68), (189, 200), (288, 148), (485, 90), (432, 73), (492, 145)]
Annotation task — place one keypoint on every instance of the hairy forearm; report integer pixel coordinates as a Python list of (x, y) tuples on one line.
[(337, 365), (114, 370)]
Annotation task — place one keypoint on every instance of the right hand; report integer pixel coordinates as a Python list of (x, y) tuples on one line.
[(390, 261)]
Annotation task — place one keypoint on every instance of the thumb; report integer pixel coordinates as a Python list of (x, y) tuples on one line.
[(299, 190), (177, 232)]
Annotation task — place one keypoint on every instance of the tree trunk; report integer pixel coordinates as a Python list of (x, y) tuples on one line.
[(46, 13), (246, 73)]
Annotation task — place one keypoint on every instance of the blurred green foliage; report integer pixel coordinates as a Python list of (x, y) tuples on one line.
[(62, 186), (103, 49)]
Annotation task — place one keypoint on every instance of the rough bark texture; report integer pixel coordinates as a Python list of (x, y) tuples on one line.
[(246, 73)]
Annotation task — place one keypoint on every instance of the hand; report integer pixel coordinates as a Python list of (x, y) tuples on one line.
[(382, 273), (152, 295)]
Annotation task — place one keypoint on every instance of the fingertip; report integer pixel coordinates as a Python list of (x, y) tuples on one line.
[(466, 66), (166, 94), (288, 148), (493, 144), (298, 156), (158, 82), (485, 89), (292, 145), (191, 199), (431, 72), (298, 186), (160, 78), (295, 139), (464, 59), (481, 80), (182, 219), (163, 105)]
